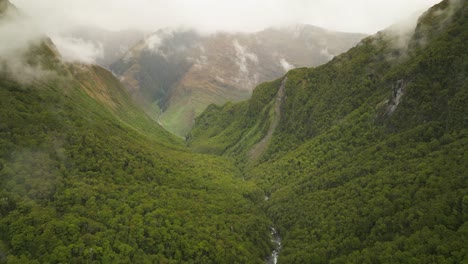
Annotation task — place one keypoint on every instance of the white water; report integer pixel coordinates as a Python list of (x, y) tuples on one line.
[(276, 239)]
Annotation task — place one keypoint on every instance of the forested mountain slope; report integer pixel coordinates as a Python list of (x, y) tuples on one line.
[(87, 177), (368, 162), (361, 160)]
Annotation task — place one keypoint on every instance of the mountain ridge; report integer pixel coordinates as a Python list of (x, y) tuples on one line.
[(219, 67)]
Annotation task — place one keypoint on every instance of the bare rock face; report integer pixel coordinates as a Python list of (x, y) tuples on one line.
[(389, 106), (398, 92)]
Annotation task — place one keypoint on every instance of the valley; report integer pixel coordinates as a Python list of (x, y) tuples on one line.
[(183, 71), (172, 158)]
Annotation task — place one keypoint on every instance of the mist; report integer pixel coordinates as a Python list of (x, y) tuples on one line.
[(401, 33), (75, 49), (18, 33), (55, 18), (222, 15)]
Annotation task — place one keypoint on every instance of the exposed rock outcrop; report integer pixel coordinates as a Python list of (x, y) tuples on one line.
[(397, 94)]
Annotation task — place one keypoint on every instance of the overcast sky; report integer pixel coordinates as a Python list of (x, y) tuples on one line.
[(366, 16)]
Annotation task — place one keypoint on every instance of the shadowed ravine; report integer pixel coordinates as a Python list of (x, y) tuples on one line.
[(260, 147)]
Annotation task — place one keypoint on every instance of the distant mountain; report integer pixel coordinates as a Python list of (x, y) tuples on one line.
[(183, 71), (363, 159)]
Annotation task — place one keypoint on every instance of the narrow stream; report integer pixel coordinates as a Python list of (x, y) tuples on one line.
[(276, 239)]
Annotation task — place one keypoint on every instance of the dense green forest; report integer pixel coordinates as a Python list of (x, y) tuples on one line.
[(361, 160), (87, 177), (368, 163)]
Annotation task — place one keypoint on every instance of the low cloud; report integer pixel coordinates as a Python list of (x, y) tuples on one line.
[(226, 15), (20, 34), (17, 32), (243, 57), (79, 50), (286, 65), (23, 73), (155, 42), (401, 34), (56, 18), (23, 30), (325, 52)]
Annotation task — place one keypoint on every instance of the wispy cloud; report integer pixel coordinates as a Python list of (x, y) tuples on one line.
[(211, 15), (18, 34), (78, 50), (55, 18), (401, 33), (286, 65), (243, 57)]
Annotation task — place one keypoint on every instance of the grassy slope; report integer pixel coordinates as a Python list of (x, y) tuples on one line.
[(87, 176), (350, 183), (179, 117)]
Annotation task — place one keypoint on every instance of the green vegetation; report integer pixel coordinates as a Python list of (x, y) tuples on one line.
[(232, 129), (87, 177), (368, 163), (179, 117)]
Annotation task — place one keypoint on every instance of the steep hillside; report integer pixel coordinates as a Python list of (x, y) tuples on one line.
[(368, 161), (87, 177), (183, 71)]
